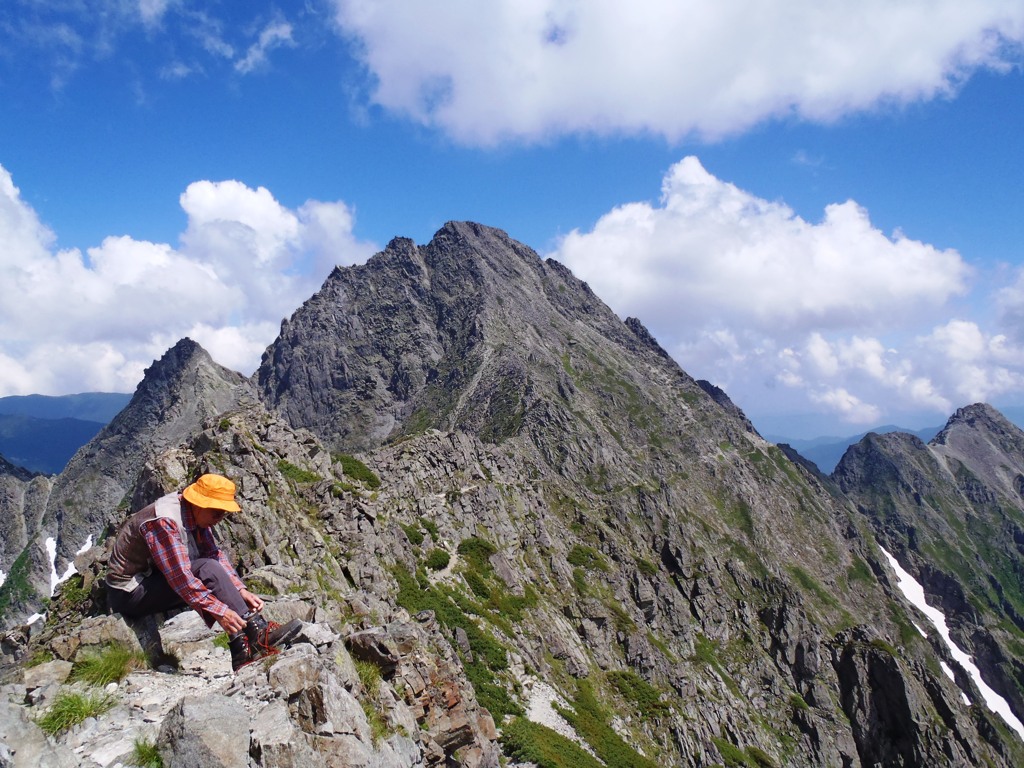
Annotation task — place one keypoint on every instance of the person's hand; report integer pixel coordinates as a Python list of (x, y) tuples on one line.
[(231, 622), (251, 600)]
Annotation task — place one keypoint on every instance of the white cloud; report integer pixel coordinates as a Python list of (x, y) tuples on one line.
[(974, 364), (177, 70), (274, 35), (749, 295), (152, 11), (1010, 305), (73, 322), (527, 70), (712, 252), (849, 406)]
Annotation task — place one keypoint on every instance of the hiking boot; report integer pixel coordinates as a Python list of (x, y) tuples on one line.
[(240, 651), (266, 636)]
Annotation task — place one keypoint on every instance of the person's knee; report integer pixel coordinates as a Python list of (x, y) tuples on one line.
[(215, 578), (209, 571)]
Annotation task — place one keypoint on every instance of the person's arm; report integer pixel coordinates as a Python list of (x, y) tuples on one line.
[(171, 557)]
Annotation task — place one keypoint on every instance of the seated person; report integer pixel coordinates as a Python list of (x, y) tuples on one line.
[(175, 535)]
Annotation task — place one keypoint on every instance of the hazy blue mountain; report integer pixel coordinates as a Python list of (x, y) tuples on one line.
[(87, 406), (43, 445), (42, 432)]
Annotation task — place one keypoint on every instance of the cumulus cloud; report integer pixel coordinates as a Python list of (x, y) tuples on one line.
[(75, 322), (710, 252), (529, 70), (748, 294), (1009, 304)]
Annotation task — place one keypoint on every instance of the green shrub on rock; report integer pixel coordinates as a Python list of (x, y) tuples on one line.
[(110, 664), (437, 559), (354, 468), (527, 742)]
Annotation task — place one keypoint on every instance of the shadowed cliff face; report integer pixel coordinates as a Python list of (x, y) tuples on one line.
[(567, 506), (952, 513)]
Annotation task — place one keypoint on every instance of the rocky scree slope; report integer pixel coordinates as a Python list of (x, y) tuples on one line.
[(365, 684), (345, 547), (23, 496), (554, 499), (952, 512)]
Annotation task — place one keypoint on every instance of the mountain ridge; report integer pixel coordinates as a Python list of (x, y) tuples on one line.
[(606, 523), (950, 512)]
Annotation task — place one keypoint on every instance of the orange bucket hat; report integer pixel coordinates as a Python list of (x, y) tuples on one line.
[(212, 492)]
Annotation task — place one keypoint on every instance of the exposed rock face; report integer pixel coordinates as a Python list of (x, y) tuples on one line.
[(23, 497), (951, 512), (541, 497), (179, 392)]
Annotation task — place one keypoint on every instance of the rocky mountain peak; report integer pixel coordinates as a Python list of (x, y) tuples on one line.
[(13, 470), (469, 331), (979, 418), (981, 440), (951, 512), (184, 382)]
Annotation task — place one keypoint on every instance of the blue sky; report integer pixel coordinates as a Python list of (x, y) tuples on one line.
[(816, 207)]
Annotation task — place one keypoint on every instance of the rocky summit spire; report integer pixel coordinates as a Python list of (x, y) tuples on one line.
[(472, 330)]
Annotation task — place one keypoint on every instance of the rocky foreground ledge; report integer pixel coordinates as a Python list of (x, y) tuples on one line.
[(384, 696)]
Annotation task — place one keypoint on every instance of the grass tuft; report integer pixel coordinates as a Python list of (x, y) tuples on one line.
[(297, 474), (414, 534), (71, 708), (477, 553), (146, 755), (591, 721), (354, 468), (528, 742), (587, 557), (109, 664), (369, 676), (645, 696), (489, 657)]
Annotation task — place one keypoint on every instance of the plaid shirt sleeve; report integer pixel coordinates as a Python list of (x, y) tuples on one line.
[(170, 555), (208, 548)]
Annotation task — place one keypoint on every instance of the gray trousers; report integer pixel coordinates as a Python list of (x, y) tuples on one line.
[(154, 594)]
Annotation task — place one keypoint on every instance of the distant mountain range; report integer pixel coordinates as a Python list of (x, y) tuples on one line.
[(826, 452), (88, 406), (41, 433)]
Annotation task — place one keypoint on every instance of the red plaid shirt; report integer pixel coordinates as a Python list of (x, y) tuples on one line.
[(170, 555)]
